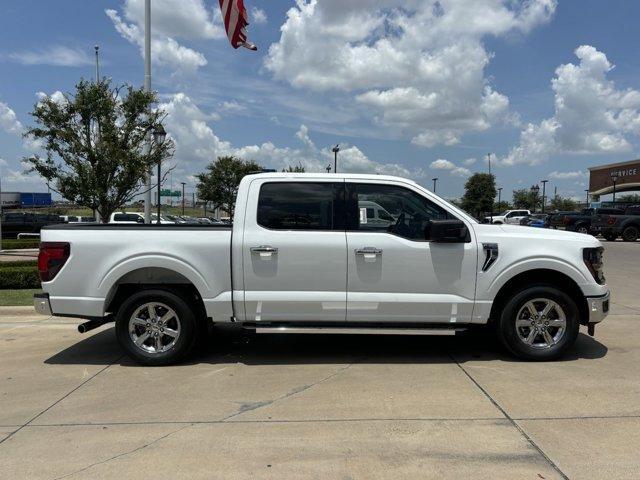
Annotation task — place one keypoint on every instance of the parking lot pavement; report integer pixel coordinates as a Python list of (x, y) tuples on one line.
[(323, 406)]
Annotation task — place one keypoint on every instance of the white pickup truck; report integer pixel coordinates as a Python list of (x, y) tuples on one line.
[(305, 256)]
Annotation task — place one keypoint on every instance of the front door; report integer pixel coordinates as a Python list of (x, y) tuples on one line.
[(294, 251), (395, 273)]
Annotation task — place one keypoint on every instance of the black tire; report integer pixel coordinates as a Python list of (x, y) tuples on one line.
[(184, 322), (582, 228), (510, 338), (630, 234), (610, 237)]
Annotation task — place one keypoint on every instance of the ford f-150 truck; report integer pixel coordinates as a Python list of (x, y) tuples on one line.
[(305, 255)]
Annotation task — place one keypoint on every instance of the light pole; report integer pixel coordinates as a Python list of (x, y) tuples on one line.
[(335, 151), (97, 48), (587, 192), (183, 184), (489, 162), (147, 88), (544, 189), (159, 135), (614, 178), (535, 189), (328, 168), (435, 181), (499, 195)]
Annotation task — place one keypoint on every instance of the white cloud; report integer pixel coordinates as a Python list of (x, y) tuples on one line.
[(460, 172), (56, 55), (9, 121), (442, 164), (232, 107), (197, 144), (187, 19), (178, 18), (468, 162), (567, 175), (418, 67), (591, 115), (258, 16)]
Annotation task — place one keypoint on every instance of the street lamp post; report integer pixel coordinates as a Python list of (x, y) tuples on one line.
[(435, 181), (544, 189), (183, 184), (159, 135), (499, 195), (147, 88), (535, 189), (335, 151), (587, 192), (614, 178), (328, 168)]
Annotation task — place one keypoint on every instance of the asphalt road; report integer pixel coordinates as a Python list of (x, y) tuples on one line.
[(325, 407)]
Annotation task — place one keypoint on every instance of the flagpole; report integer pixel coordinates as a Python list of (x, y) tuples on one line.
[(147, 88)]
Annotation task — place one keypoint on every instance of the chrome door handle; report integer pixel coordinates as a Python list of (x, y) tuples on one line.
[(264, 249), (368, 251)]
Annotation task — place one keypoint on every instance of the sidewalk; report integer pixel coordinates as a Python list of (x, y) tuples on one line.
[(18, 255)]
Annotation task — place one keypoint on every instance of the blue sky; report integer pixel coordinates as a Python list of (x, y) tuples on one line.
[(416, 88)]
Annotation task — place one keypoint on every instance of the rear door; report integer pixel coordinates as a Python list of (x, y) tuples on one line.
[(395, 273), (294, 251)]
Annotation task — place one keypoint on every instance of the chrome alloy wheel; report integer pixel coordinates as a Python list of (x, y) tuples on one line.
[(154, 327), (541, 323)]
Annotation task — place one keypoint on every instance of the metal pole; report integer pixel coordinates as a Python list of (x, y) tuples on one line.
[(97, 48), (183, 184), (435, 181), (158, 206), (147, 88), (499, 195), (587, 190), (544, 185), (489, 161), (0, 210), (335, 151)]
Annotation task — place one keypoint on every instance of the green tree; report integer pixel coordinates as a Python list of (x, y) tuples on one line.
[(525, 198), (96, 144), (563, 204), (219, 183), (628, 198), (480, 190), (501, 206), (295, 169)]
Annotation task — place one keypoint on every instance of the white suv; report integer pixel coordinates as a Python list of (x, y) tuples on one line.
[(512, 217)]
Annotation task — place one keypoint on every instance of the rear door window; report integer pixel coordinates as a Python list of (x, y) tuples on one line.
[(301, 206)]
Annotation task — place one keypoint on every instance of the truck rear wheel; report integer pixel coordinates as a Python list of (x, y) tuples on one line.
[(539, 323), (630, 234), (156, 327)]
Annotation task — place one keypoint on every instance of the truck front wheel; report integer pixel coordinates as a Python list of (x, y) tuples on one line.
[(630, 234), (156, 327), (539, 323)]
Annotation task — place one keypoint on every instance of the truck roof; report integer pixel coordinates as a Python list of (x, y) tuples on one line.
[(358, 176)]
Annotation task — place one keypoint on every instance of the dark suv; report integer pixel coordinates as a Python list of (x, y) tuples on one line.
[(20, 222)]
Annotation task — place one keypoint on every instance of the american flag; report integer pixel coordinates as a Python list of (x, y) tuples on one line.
[(235, 22)]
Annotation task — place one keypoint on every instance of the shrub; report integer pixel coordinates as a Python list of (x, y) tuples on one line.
[(16, 277)]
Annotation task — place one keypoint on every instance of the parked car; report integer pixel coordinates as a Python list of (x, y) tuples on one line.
[(512, 217), (581, 222), (625, 225), (299, 259), (14, 223), (556, 218), (136, 217), (77, 219), (538, 220)]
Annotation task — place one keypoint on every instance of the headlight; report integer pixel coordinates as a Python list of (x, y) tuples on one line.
[(593, 260)]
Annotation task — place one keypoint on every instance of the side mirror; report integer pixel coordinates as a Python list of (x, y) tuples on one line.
[(140, 220), (449, 231)]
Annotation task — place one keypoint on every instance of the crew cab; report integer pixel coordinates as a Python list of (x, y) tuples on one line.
[(510, 216), (581, 221), (305, 255)]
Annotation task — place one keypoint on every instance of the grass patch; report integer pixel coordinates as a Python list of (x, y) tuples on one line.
[(17, 244), (15, 298)]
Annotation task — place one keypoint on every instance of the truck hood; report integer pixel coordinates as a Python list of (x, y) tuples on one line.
[(488, 232)]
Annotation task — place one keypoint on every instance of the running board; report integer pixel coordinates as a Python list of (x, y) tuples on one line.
[(357, 330)]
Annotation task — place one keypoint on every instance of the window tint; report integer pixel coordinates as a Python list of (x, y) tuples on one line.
[(399, 211), (125, 217), (299, 205)]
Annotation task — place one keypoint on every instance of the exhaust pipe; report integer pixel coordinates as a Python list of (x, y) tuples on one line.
[(91, 325)]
